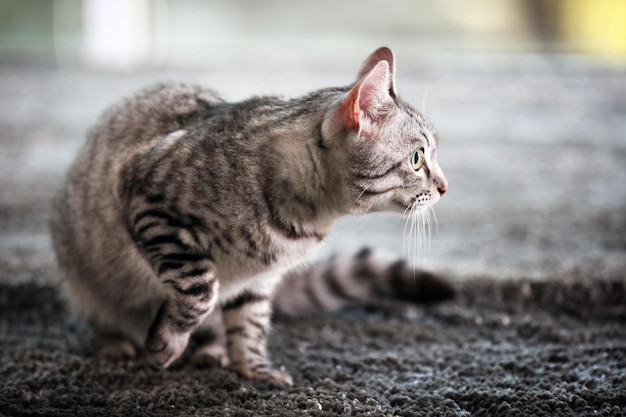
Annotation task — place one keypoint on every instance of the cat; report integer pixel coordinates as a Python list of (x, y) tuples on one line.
[(183, 211)]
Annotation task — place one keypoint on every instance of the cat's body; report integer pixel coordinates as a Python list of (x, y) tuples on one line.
[(181, 205)]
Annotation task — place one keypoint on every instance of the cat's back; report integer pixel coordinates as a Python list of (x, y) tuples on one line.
[(128, 128), (155, 111), (85, 206)]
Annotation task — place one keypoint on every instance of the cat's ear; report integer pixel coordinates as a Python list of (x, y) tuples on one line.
[(381, 54), (368, 98)]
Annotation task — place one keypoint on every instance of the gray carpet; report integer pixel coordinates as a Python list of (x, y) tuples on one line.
[(502, 349), (532, 232)]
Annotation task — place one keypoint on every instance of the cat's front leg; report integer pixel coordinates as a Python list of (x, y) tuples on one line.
[(191, 288), (179, 315), (247, 319), (190, 299)]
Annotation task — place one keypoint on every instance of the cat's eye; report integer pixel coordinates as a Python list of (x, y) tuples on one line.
[(417, 159)]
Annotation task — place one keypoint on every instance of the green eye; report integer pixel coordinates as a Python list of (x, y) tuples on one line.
[(417, 159)]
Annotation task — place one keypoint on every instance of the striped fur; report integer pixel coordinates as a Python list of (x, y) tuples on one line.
[(353, 279), (182, 210)]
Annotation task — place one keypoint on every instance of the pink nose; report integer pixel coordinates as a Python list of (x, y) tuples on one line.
[(442, 190)]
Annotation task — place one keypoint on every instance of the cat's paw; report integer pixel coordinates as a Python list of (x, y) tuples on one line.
[(163, 348), (276, 376), (266, 374), (117, 351), (211, 355)]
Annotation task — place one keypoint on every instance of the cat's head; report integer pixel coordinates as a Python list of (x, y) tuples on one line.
[(388, 148)]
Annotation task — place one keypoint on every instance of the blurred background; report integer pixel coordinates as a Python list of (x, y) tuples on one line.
[(528, 96), (130, 34)]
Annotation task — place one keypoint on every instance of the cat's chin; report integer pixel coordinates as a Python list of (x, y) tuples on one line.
[(408, 209), (397, 206)]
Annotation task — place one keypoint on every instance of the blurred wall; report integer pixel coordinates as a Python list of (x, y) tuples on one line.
[(126, 34)]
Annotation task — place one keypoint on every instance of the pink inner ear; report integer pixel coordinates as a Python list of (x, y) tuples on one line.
[(367, 97), (350, 110), (373, 89)]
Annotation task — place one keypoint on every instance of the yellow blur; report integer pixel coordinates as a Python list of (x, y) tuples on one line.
[(595, 26)]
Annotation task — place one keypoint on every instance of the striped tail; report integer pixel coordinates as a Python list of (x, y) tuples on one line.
[(361, 278)]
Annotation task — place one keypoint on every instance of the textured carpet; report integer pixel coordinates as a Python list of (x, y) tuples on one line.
[(532, 232), (501, 349)]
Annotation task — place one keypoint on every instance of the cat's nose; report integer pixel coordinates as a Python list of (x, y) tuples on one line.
[(440, 181)]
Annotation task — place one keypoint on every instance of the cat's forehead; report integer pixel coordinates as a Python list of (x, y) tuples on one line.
[(419, 129)]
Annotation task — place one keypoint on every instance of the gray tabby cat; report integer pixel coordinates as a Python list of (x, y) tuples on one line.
[(182, 210)]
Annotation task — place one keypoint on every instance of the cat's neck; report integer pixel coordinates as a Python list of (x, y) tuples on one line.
[(301, 180)]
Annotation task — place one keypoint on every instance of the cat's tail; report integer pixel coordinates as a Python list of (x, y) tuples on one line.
[(363, 277)]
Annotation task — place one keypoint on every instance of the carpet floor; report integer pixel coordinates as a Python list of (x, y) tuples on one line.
[(500, 349)]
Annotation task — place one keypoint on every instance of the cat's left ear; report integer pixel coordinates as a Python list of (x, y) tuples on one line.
[(368, 100), (381, 54)]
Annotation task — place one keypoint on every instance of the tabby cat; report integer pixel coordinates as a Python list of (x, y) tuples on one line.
[(183, 210)]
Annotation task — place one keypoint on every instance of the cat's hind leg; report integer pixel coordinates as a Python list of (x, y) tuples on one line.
[(210, 339), (119, 332), (119, 321), (114, 348)]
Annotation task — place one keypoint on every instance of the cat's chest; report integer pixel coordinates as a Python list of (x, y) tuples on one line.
[(236, 270)]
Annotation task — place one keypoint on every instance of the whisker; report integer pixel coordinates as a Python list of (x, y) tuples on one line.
[(412, 240), (406, 223), (427, 221), (433, 217), (419, 224), (407, 209), (416, 234), (362, 192), (420, 235)]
